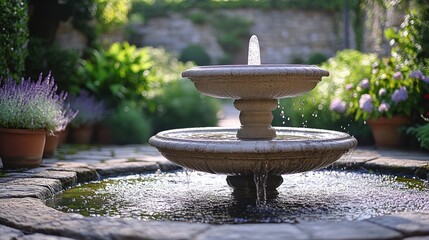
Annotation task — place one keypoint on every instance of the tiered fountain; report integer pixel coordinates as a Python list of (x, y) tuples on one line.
[(255, 155)]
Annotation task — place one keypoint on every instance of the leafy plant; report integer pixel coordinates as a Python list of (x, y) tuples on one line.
[(127, 73), (63, 63), (195, 53), (90, 109), (421, 133), (33, 105), (181, 105), (13, 37), (129, 125)]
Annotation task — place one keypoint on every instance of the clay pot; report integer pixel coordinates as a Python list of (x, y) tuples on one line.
[(103, 134), (81, 134), (63, 135), (387, 131), (51, 145), (21, 148)]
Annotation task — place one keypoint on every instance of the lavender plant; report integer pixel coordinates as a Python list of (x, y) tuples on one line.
[(33, 105), (90, 109)]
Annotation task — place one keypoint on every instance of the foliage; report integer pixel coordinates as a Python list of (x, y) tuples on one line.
[(90, 109), (231, 32), (198, 17), (317, 58), (112, 13), (127, 73), (33, 105), (158, 8), (421, 133), (181, 105), (129, 125), (195, 53), (46, 58), (397, 82), (13, 37), (315, 109)]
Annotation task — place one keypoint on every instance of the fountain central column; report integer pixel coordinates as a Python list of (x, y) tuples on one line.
[(255, 118)]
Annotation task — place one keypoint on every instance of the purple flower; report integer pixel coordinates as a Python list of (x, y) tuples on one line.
[(384, 107), (382, 92), (426, 79), (365, 103), (349, 86), (417, 74), (364, 83), (400, 95), (397, 75), (338, 106)]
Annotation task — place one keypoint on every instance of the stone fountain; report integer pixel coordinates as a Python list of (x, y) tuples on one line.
[(255, 155)]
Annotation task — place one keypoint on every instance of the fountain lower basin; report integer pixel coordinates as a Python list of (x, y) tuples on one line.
[(218, 150)]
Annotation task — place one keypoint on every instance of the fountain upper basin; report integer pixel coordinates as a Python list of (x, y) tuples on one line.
[(218, 150), (266, 81)]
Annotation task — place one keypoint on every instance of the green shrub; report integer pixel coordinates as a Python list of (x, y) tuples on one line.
[(198, 17), (62, 63), (316, 58), (129, 125), (181, 105), (13, 37), (127, 73), (195, 53)]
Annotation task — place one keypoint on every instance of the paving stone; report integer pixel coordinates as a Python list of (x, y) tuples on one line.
[(83, 174), (253, 231), (9, 233), (27, 214), (116, 169), (397, 166), (114, 228), (168, 166), (53, 185), (417, 238), (20, 191), (39, 236), (410, 224), (348, 230), (67, 178)]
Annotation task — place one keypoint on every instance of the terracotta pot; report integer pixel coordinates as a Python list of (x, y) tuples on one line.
[(81, 134), (51, 145), (21, 148), (62, 135), (103, 134), (387, 131)]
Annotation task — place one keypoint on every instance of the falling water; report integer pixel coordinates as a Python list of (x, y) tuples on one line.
[(260, 177)]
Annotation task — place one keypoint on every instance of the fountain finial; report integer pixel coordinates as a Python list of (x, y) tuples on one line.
[(254, 56)]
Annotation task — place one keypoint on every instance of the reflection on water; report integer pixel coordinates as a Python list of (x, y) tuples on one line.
[(203, 197)]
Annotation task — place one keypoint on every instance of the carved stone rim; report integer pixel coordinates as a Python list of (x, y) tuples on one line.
[(256, 70), (321, 140)]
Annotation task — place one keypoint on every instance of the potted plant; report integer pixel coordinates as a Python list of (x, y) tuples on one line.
[(90, 112), (28, 111), (386, 100)]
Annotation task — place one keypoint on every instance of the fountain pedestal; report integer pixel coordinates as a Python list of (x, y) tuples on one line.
[(255, 118)]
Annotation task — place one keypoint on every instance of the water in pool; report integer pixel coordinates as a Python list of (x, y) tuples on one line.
[(202, 197)]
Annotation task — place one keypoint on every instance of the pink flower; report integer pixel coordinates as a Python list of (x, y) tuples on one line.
[(338, 106), (397, 75), (384, 107), (364, 83), (349, 86), (365, 103), (382, 92)]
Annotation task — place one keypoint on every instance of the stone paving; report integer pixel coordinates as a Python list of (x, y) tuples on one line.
[(24, 215)]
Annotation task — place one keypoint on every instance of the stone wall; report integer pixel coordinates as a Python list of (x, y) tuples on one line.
[(285, 36)]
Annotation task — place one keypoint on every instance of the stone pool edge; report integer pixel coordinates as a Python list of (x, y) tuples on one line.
[(24, 215)]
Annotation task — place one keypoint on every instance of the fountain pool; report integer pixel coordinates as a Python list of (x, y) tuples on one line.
[(202, 197)]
